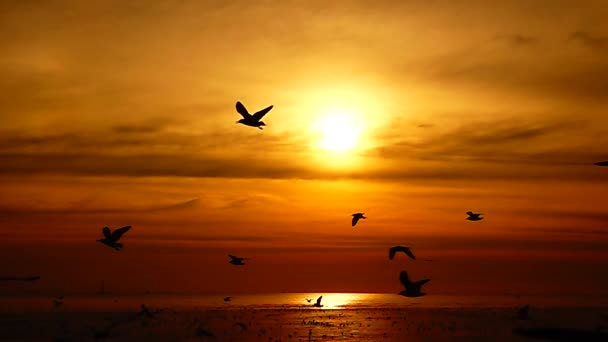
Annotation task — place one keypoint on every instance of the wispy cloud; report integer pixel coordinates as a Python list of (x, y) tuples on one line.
[(590, 40)]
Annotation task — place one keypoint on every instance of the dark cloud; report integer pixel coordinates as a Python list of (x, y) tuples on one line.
[(8, 211), (519, 39), (593, 41)]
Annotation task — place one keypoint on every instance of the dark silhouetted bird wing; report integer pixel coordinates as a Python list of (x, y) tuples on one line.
[(394, 250), (355, 219), (117, 233), (405, 280), (260, 114), (235, 258), (422, 282), (107, 233), (319, 300), (602, 163), (242, 110)]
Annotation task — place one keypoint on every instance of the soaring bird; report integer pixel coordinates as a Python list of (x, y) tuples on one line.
[(145, 312), (252, 120), (356, 217), (227, 299), (309, 300), (111, 238), (393, 250), (236, 260), (412, 289), (318, 303), (474, 216)]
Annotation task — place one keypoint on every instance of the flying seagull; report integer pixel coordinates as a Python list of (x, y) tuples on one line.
[(602, 163), (474, 216), (309, 300), (30, 279), (236, 260), (318, 303), (227, 299), (111, 238), (412, 289), (252, 120), (356, 217), (58, 302), (393, 250)]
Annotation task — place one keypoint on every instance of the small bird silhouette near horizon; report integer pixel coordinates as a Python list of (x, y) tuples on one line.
[(227, 299), (357, 217), (252, 120), (145, 312), (318, 303), (412, 288), (474, 216), (111, 238), (393, 250), (237, 261), (309, 300), (58, 302)]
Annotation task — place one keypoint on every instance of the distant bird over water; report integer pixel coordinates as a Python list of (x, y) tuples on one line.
[(318, 303), (602, 163), (111, 238), (412, 288), (356, 217), (474, 216), (236, 260), (252, 120), (227, 299), (309, 300), (393, 250)]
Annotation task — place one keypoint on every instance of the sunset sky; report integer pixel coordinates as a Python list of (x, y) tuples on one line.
[(123, 113)]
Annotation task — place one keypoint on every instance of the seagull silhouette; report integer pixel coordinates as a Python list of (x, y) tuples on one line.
[(227, 299), (474, 216), (412, 289), (111, 238), (252, 120), (58, 302), (309, 300), (145, 312), (318, 303), (356, 217), (236, 260), (393, 250)]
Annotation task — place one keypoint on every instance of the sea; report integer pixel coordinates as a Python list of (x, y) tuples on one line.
[(337, 301)]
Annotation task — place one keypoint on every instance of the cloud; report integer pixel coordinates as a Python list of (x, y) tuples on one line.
[(590, 40), (9, 211), (518, 39)]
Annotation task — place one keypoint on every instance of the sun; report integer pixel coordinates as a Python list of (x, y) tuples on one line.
[(339, 133)]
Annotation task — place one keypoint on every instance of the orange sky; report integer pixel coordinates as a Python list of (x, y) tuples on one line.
[(116, 114)]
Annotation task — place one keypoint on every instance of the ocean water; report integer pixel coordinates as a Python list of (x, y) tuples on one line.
[(117, 303)]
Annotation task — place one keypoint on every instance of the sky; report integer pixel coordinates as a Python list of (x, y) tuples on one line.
[(413, 112)]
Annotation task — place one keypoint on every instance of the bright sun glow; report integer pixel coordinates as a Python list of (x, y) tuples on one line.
[(338, 132)]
